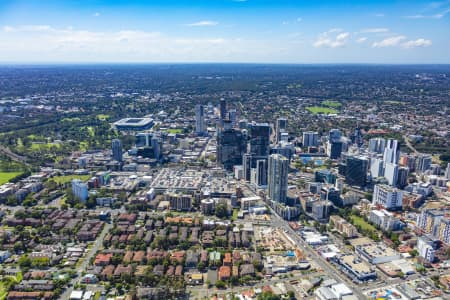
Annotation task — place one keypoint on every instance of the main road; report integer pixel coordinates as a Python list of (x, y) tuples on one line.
[(328, 269), (84, 264)]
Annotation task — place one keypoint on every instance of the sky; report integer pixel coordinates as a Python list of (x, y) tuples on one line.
[(238, 31)]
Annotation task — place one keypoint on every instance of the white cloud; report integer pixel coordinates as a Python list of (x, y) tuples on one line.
[(203, 23), (335, 30), (28, 28), (441, 14), (416, 17), (361, 40), (438, 15), (379, 15), (389, 42), (334, 38), (399, 41), (375, 30), (97, 14), (71, 45), (417, 43)]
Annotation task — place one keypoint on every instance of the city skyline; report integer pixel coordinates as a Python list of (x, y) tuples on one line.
[(224, 31)]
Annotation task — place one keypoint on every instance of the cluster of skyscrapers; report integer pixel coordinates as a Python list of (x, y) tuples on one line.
[(248, 148)]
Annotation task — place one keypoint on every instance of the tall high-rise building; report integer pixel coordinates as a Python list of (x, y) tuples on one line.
[(223, 109), (391, 158), (259, 139), (156, 146), (247, 165), (80, 190), (255, 168), (200, 127), (310, 139), (281, 126), (230, 146), (334, 149), (356, 170), (232, 116), (143, 139), (423, 163), (376, 167), (377, 145), (261, 172), (278, 177), (447, 171), (116, 146), (402, 179), (335, 144), (357, 137), (391, 152), (387, 196), (391, 173), (411, 162)]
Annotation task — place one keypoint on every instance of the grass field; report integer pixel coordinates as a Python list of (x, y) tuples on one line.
[(43, 146), (364, 225), (7, 176), (321, 110), (68, 178), (71, 119), (330, 103), (175, 130), (102, 117), (235, 214)]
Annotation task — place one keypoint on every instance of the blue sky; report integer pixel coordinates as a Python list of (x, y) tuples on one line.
[(254, 31)]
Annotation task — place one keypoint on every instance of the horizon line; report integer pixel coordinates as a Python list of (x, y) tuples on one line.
[(61, 63)]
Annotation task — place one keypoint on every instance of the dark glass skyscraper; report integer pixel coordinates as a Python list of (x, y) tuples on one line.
[(223, 109), (259, 139), (356, 170), (116, 146), (230, 146), (281, 126)]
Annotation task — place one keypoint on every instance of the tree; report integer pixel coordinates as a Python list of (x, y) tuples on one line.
[(201, 266), (91, 202), (11, 200), (24, 262), (234, 280), (268, 296), (413, 252), (220, 284), (221, 211)]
